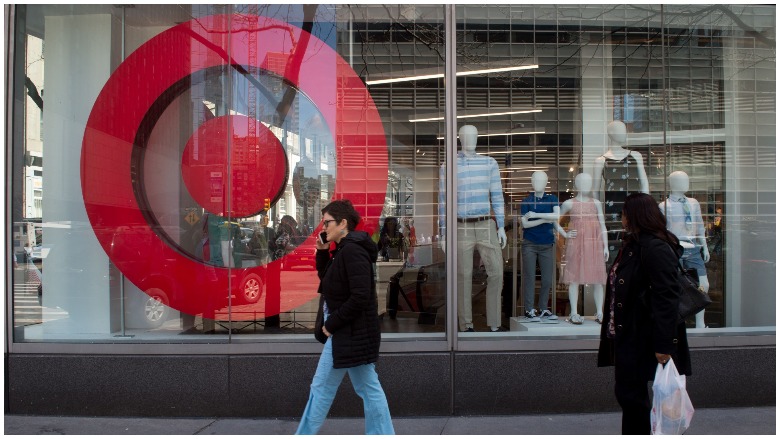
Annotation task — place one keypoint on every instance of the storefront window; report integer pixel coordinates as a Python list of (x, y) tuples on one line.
[(189, 150), (582, 105), (192, 150)]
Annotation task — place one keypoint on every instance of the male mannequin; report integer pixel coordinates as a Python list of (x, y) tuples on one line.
[(683, 218), (586, 247), (623, 173), (479, 189), (539, 212)]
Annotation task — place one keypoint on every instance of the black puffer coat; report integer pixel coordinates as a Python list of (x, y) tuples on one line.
[(347, 282), (644, 326)]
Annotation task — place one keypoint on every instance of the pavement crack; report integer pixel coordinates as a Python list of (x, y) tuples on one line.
[(206, 426)]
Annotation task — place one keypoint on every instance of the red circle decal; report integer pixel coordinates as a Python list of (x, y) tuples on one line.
[(111, 198), (257, 166)]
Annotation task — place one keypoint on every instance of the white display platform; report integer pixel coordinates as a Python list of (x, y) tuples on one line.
[(562, 327)]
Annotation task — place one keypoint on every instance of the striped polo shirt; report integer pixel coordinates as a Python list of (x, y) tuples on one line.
[(479, 189)]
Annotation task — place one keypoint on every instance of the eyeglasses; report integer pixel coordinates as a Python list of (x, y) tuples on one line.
[(326, 222)]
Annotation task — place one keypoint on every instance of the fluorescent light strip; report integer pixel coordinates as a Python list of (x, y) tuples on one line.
[(404, 79), (502, 134), (441, 75), (517, 151), (466, 116), (497, 70)]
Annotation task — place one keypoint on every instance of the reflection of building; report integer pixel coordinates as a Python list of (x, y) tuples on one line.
[(33, 179)]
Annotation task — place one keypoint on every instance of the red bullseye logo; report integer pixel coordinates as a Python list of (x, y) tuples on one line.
[(228, 164), (256, 168)]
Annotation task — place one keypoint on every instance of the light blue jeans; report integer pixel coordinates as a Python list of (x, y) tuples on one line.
[(326, 382)]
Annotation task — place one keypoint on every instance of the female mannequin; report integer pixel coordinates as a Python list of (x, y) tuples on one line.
[(623, 173), (683, 218), (586, 247)]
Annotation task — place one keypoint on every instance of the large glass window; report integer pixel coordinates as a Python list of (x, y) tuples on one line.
[(189, 150), (192, 149), (596, 102)]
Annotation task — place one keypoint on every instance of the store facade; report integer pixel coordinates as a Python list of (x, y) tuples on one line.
[(163, 262)]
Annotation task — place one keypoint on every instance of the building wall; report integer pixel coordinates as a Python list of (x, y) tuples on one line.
[(416, 384)]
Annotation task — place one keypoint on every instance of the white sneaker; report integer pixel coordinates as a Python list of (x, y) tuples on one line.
[(548, 315), (530, 316)]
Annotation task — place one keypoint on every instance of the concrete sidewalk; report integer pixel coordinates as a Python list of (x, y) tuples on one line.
[(736, 421)]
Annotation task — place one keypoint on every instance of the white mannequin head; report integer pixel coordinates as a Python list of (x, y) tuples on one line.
[(678, 182), (583, 182), (468, 138), (539, 181), (616, 130)]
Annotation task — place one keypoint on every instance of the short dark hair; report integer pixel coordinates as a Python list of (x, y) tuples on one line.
[(343, 210), (643, 215)]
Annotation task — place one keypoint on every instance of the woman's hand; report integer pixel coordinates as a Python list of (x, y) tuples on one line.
[(662, 358), (321, 245), (325, 331)]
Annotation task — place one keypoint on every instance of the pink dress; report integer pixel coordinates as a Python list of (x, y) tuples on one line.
[(585, 253)]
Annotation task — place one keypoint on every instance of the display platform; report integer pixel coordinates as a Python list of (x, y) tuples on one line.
[(562, 327)]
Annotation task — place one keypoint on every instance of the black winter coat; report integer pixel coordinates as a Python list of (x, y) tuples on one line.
[(347, 282), (644, 326)]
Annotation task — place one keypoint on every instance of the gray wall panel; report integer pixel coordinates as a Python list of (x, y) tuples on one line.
[(515, 383), (118, 385), (416, 384), (538, 382), (279, 386)]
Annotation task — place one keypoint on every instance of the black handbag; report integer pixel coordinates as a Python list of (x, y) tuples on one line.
[(693, 298), (319, 321)]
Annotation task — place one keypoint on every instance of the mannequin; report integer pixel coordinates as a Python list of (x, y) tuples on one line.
[(479, 190), (683, 218), (586, 247), (623, 173), (412, 239), (539, 212)]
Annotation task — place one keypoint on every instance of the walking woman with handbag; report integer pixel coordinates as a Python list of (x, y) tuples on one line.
[(640, 327), (351, 323)]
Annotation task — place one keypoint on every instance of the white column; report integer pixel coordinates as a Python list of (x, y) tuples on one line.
[(750, 290), (79, 56)]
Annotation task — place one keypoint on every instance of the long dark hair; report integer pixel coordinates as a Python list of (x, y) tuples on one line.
[(643, 216), (386, 226)]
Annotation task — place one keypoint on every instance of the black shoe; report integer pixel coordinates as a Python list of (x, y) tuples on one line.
[(190, 331), (499, 329), (469, 330)]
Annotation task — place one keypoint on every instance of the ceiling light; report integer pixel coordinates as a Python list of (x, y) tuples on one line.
[(404, 79), (434, 73), (497, 70), (518, 133), (431, 118), (517, 151)]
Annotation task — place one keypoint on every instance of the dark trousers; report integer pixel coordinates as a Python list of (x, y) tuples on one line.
[(634, 398)]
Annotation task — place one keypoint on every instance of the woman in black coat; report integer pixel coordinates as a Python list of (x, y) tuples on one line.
[(351, 322), (641, 328)]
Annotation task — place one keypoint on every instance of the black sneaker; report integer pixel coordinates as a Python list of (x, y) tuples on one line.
[(548, 315), (530, 316), (499, 329)]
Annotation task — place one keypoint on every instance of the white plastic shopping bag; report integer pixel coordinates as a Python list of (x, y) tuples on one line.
[(672, 409)]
